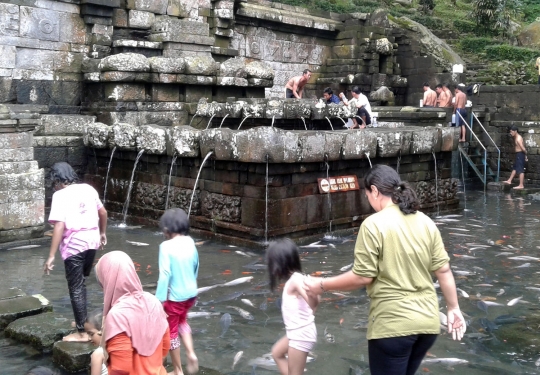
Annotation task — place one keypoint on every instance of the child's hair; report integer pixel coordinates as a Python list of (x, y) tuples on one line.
[(175, 220), (283, 260), (62, 172), (95, 318)]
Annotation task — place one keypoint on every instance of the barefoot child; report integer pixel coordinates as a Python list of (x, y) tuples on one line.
[(80, 223), (177, 284), (297, 308), (93, 329)]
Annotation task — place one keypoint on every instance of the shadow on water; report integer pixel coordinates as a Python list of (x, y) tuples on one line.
[(483, 243)]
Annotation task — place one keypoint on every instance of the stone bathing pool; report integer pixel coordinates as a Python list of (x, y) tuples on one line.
[(491, 229)]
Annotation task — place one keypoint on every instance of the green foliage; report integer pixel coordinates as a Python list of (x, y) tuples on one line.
[(493, 16), (465, 26), (476, 45), (427, 6), (508, 52), (531, 10), (433, 23)]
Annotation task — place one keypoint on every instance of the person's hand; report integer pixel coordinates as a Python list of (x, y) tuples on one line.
[(48, 265), (456, 323), (103, 240), (312, 285)]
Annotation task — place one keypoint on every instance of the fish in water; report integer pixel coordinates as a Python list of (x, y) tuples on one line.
[(533, 288), (463, 273), (476, 335), (134, 243), (524, 265), (446, 361), (524, 257), (507, 319), (328, 336), (243, 313), (265, 362), (464, 256), (42, 370), (207, 288), (501, 292), (201, 314), (237, 358), (225, 322), (313, 245), (461, 234), (247, 302), (243, 254), (463, 293), (514, 301), (488, 325), (24, 247), (503, 253), (263, 306), (255, 266), (238, 281), (346, 268), (227, 297)]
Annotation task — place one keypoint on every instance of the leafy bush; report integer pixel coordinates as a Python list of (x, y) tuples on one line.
[(433, 23), (465, 26), (476, 44), (508, 52), (493, 16), (427, 5), (531, 10)]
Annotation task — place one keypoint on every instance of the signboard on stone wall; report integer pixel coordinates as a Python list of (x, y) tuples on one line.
[(338, 184)]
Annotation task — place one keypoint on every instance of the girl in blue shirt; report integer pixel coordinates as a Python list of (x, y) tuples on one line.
[(177, 283)]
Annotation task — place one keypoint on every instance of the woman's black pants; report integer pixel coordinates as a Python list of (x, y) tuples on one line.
[(78, 267), (398, 355)]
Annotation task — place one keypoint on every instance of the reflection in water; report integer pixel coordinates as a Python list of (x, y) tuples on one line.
[(482, 244)]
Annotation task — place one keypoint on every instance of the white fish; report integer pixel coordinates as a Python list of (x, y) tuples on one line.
[(207, 288), (464, 256), (24, 247), (243, 313), (201, 314), (491, 303), (237, 358), (243, 254), (537, 363), (501, 292), (463, 293), (448, 220), (232, 246), (314, 245), (446, 361), (524, 265), (514, 301), (461, 229), (134, 243), (343, 295), (477, 244), (332, 245), (463, 273), (328, 336), (238, 281), (533, 288), (524, 257), (247, 302), (346, 268), (448, 216), (503, 253), (267, 363), (484, 285), (461, 234), (477, 248)]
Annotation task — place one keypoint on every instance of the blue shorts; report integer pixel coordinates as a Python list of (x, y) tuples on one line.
[(463, 112), (519, 165)]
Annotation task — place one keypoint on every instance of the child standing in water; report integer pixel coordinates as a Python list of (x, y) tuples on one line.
[(93, 329), (80, 223), (177, 284), (297, 307)]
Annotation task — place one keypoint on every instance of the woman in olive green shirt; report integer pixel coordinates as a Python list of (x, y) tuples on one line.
[(397, 250)]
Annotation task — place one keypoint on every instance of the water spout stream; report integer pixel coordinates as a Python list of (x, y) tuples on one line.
[(210, 121), (304, 121), (330, 122), (197, 181), (126, 203), (273, 117), (222, 121), (193, 118), (169, 183), (344, 123), (436, 184), (367, 156), (329, 198), (398, 161), (107, 175), (266, 205), (463, 179), (241, 122)]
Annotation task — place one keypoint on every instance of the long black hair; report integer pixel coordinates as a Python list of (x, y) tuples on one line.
[(283, 260), (389, 184), (63, 173)]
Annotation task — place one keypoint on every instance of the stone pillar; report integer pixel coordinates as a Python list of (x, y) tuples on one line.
[(22, 193)]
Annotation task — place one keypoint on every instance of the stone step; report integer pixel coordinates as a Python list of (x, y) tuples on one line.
[(18, 307)]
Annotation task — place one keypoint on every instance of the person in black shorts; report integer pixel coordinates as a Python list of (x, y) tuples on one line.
[(521, 158)]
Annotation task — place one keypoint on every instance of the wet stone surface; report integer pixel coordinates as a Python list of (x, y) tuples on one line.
[(16, 308), (72, 356)]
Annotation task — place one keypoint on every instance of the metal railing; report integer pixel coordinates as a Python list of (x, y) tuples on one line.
[(473, 166), (494, 144)]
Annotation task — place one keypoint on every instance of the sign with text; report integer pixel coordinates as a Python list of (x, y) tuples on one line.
[(338, 184)]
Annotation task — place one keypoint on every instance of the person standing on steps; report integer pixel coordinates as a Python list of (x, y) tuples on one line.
[(430, 96), (80, 224), (459, 109), (521, 158), (295, 86)]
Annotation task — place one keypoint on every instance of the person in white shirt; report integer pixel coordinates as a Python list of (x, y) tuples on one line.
[(362, 105)]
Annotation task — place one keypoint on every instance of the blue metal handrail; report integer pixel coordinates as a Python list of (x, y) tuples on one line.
[(484, 180), (494, 144)]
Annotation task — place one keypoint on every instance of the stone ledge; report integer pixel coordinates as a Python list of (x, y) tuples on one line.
[(20, 307), (72, 357)]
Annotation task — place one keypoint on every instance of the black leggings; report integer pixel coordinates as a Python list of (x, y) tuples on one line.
[(398, 355), (78, 267)]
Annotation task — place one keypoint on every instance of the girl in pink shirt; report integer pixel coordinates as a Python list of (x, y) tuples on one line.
[(80, 223), (297, 308)]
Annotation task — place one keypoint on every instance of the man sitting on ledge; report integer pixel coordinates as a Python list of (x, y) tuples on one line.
[(363, 108), (295, 86), (330, 97)]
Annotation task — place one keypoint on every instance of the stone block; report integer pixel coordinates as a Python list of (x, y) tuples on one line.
[(15, 140), (125, 92), (16, 154), (167, 65), (165, 93), (152, 139), (425, 141), (176, 29), (259, 69), (393, 143), (120, 18), (7, 56), (184, 140), (64, 124), (141, 20), (124, 136), (153, 6), (220, 141), (41, 331), (168, 118), (96, 135), (72, 28), (359, 144), (42, 24), (114, 76), (16, 308), (449, 138), (10, 19), (200, 65), (16, 196), (125, 62), (72, 356), (194, 93)]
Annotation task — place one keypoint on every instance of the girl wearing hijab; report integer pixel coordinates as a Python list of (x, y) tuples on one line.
[(135, 331), (397, 251)]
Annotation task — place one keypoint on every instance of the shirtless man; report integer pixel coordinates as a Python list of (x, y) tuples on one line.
[(295, 86), (430, 96), (445, 97), (459, 109), (521, 158)]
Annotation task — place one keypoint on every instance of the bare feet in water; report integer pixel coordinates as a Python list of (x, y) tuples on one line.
[(77, 337), (193, 364)]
